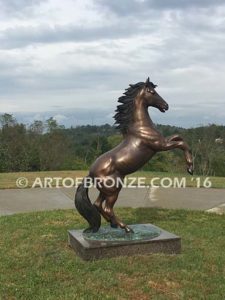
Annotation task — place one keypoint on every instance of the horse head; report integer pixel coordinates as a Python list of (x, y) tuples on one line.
[(152, 98)]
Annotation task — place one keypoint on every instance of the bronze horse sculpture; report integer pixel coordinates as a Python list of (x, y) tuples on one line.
[(141, 141)]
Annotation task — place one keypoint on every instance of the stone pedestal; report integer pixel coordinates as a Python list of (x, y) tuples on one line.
[(92, 249)]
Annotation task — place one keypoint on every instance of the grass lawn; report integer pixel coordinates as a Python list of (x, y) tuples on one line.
[(8, 180), (36, 262)]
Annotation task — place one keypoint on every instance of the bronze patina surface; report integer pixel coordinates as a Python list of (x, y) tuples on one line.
[(141, 141)]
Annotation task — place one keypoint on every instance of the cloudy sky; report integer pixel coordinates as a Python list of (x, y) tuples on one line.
[(72, 59)]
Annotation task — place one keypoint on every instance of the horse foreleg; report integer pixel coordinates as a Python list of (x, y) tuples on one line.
[(174, 137), (180, 144)]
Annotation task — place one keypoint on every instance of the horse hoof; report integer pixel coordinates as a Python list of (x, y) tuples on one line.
[(190, 170), (128, 230)]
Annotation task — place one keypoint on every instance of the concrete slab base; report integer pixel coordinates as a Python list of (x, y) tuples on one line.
[(166, 242)]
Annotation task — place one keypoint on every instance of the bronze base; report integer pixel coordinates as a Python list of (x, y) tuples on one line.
[(166, 242)]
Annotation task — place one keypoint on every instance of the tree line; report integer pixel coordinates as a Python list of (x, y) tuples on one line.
[(44, 146)]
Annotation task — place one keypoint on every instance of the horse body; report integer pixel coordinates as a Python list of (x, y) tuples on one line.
[(123, 159), (141, 142)]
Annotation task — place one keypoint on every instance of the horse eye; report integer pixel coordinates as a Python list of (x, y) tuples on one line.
[(152, 92)]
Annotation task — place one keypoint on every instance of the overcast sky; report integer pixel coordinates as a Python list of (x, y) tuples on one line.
[(72, 59)]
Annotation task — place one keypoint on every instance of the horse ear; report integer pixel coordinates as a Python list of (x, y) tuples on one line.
[(147, 81)]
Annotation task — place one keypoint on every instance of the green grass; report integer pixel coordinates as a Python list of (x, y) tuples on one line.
[(37, 263), (8, 180)]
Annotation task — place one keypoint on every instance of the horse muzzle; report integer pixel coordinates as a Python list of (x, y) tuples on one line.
[(163, 108)]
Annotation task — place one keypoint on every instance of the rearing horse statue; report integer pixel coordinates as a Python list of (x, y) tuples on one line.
[(141, 140)]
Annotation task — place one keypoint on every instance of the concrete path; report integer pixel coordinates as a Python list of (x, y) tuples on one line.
[(26, 200)]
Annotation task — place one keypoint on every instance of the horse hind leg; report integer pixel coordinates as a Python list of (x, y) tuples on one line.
[(98, 203), (108, 209)]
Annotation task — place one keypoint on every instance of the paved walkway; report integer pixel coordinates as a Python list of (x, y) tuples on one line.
[(26, 200)]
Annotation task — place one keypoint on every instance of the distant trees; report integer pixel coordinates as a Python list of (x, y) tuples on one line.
[(7, 120), (37, 127), (14, 154), (49, 146), (209, 156)]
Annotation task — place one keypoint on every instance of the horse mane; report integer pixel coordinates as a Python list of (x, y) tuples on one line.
[(124, 112)]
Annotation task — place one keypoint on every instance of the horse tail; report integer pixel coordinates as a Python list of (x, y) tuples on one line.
[(86, 209)]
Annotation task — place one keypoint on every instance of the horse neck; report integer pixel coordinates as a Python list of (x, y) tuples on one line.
[(141, 116)]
